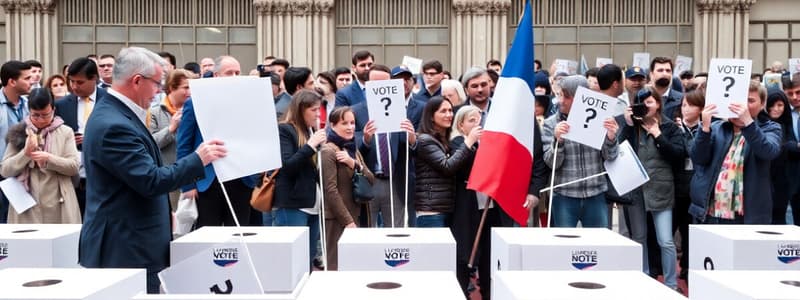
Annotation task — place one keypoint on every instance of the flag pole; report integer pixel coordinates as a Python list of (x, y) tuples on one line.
[(552, 181), (322, 241), (391, 190), (405, 190), (572, 182), (478, 234)]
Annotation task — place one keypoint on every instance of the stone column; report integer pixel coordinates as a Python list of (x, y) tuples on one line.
[(32, 32), (721, 30), (300, 31), (479, 32)]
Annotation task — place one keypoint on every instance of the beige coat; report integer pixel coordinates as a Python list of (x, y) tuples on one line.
[(51, 186)]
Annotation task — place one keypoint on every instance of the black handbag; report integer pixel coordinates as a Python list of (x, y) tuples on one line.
[(613, 197), (362, 189)]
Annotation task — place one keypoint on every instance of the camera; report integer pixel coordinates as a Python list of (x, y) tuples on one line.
[(638, 107)]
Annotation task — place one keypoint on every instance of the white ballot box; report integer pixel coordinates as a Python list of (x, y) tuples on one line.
[(39, 245), (387, 249), (383, 285), (280, 254), (563, 249), (268, 296), (570, 285), (744, 285), (71, 283), (744, 247)]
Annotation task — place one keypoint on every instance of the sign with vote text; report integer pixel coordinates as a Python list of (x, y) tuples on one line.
[(589, 111), (728, 82), (386, 104)]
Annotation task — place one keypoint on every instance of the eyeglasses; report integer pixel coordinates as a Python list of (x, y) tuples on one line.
[(158, 83), (434, 73), (39, 116), (105, 65)]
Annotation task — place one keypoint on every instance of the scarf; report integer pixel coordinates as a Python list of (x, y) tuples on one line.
[(168, 105), (349, 145), (44, 140), (729, 188)]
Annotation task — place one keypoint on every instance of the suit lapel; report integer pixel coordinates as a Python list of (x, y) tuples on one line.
[(134, 119)]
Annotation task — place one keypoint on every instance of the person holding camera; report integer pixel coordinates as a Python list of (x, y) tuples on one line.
[(660, 145)]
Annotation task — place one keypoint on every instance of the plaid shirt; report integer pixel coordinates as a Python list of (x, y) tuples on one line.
[(576, 161)]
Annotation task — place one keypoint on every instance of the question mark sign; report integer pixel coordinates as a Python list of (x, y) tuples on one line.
[(388, 102), (590, 117), (728, 87)]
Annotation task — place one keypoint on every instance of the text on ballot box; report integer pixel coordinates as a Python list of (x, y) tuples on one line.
[(403, 249), (268, 296), (39, 245), (744, 247), (280, 254), (71, 284), (383, 285), (568, 285), (563, 249), (744, 285)]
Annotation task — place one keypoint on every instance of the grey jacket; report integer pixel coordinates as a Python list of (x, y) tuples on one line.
[(159, 127)]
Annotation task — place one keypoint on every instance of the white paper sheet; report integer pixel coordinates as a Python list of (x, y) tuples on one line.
[(585, 126), (728, 82), (682, 63), (16, 194), (386, 104), (215, 267), (240, 112), (414, 64), (626, 172), (641, 60), (602, 61)]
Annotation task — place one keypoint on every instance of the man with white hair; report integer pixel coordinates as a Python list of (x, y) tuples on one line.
[(127, 221)]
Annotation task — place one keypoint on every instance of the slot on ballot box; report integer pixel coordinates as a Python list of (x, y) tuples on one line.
[(405, 249), (383, 285), (570, 285), (280, 254), (744, 285), (267, 296), (39, 245), (744, 247), (71, 283)]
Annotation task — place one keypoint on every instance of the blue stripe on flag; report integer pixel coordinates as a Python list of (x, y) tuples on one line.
[(519, 62)]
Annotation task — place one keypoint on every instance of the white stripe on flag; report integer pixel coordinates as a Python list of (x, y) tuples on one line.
[(512, 111)]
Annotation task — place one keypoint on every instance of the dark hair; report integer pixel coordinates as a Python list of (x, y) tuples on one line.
[(362, 55), (341, 70), (166, 55), (543, 101), (660, 60), (696, 98), (493, 62), (34, 63), (380, 68), (338, 114), (330, 78), (688, 74), (591, 72), (192, 66), (269, 57), (83, 66), (280, 62), (12, 69), (91, 55), (433, 64), (295, 76), (537, 64), (701, 74), (607, 75), (426, 125), (450, 76), (647, 92), (785, 119), (50, 79), (493, 75), (108, 56), (294, 114), (40, 99)]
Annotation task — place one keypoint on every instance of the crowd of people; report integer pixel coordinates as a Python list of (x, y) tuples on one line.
[(104, 142)]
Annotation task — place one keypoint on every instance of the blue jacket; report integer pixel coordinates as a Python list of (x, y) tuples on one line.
[(350, 95), (189, 138), (127, 220), (762, 145)]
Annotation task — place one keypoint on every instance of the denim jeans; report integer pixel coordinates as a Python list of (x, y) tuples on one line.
[(296, 217), (437, 220), (591, 211), (720, 221), (267, 218), (663, 225)]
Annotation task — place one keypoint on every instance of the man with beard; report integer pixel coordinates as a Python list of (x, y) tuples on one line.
[(354, 93), (661, 77)]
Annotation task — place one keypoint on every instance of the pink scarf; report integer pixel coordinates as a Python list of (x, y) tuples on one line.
[(44, 137)]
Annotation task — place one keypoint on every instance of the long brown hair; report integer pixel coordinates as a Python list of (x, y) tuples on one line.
[(301, 101)]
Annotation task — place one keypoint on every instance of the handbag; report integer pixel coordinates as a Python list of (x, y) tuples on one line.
[(262, 196), (612, 196), (362, 189)]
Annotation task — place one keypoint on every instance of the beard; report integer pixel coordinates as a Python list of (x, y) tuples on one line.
[(363, 77), (662, 82)]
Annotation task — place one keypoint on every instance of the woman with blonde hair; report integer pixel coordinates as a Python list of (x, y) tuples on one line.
[(453, 91)]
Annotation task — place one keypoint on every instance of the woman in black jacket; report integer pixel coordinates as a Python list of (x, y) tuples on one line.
[(779, 111), (435, 166), (296, 185)]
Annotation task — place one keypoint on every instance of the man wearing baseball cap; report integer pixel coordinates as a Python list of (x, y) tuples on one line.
[(635, 78)]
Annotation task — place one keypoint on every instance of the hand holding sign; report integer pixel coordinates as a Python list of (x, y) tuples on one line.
[(587, 118), (386, 104), (728, 82)]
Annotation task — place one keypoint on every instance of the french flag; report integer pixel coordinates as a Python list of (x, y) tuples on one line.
[(502, 167)]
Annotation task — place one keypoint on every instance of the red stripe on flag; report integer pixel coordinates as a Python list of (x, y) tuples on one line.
[(502, 170)]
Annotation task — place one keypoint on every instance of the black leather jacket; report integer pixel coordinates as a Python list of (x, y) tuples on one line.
[(435, 170)]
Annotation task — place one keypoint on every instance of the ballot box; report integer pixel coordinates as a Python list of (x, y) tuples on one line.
[(279, 254), (71, 283), (744, 247), (407, 249), (563, 249), (268, 296), (39, 245), (570, 285), (383, 285), (744, 285)]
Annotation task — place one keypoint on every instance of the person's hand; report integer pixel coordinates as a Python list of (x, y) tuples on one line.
[(351, 225), (175, 121), (629, 116), (611, 126), (409, 129), (742, 113), (369, 131), (190, 194), (531, 201), (78, 138), (651, 125), (317, 138), (41, 157), (31, 144), (474, 136), (210, 151), (706, 114), (562, 128), (343, 157)]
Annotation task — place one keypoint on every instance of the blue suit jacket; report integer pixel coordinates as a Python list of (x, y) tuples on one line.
[(127, 220), (67, 108), (350, 95), (189, 138)]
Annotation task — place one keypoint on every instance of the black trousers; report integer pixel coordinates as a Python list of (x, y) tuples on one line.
[(212, 209)]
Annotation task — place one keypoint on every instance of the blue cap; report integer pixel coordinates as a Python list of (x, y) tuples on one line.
[(400, 70), (635, 71)]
